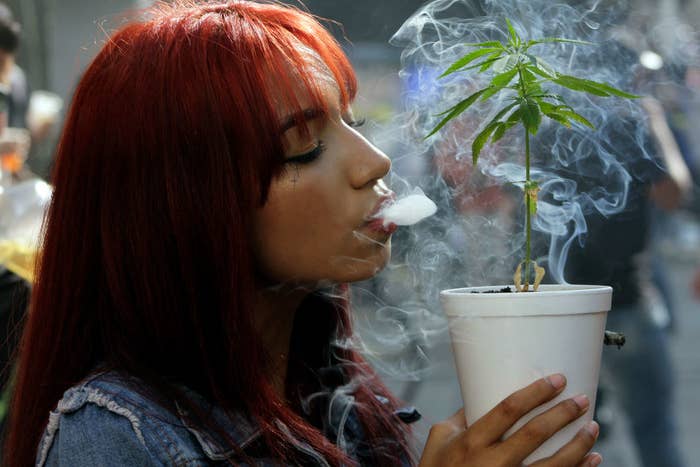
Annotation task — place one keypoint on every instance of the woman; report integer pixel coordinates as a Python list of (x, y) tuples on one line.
[(211, 198)]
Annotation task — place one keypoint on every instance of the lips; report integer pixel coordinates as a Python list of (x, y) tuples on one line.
[(377, 224), (384, 200)]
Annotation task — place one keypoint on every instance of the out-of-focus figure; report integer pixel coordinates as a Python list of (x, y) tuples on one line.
[(17, 128), (618, 251)]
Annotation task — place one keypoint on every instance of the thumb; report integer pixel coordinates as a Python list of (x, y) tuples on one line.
[(459, 419)]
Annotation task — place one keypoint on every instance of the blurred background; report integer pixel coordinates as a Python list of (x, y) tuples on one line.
[(59, 38)]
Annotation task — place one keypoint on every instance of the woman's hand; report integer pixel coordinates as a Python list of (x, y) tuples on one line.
[(452, 443)]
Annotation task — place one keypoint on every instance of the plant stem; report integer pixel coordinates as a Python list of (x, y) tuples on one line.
[(528, 201)]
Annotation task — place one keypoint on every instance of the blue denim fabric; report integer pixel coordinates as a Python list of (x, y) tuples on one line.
[(105, 421)]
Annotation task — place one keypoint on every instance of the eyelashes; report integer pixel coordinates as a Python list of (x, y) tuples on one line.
[(307, 157), (316, 152), (357, 123)]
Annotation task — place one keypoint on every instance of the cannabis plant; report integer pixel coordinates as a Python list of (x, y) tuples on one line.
[(516, 70)]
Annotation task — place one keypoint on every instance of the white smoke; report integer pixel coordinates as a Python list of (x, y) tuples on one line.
[(477, 235)]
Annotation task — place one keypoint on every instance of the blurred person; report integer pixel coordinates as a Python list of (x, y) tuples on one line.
[(13, 81), (191, 290), (14, 101), (14, 97), (24, 123), (617, 251)]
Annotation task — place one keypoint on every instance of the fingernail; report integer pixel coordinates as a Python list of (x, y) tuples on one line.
[(557, 381), (592, 429), (595, 460), (582, 401)]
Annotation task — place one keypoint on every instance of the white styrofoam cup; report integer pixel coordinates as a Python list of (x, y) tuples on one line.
[(502, 342)]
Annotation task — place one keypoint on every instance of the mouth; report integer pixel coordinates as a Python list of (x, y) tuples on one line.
[(377, 224)]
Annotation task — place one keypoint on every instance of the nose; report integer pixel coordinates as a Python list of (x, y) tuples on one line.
[(367, 163)]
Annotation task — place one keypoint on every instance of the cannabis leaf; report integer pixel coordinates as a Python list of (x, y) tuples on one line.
[(523, 75)]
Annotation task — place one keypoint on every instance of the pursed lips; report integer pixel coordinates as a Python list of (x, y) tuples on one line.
[(384, 200)]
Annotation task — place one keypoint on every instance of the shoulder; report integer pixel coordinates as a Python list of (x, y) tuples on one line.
[(107, 421)]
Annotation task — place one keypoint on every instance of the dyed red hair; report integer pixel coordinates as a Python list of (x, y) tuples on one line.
[(169, 147)]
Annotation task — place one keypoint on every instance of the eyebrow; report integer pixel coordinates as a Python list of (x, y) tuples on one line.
[(307, 114)]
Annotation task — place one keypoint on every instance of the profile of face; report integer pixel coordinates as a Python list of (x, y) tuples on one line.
[(315, 226)]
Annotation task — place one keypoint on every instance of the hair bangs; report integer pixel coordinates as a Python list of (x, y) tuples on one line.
[(301, 56)]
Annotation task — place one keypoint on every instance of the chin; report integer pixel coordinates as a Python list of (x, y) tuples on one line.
[(361, 270)]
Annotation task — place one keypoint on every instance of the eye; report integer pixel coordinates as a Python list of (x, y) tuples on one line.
[(308, 157), (357, 123)]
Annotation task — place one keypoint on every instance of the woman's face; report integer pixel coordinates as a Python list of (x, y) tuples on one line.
[(314, 226)]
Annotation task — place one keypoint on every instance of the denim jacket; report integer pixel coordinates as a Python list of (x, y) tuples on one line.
[(104, 421)]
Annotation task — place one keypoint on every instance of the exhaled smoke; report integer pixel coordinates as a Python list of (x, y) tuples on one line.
[(477, 235)]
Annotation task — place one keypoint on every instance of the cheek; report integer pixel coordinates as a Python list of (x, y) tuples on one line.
[(298, 229), (305, 233)]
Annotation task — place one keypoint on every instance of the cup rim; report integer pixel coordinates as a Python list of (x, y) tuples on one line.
[(550, 299), (548, 290)]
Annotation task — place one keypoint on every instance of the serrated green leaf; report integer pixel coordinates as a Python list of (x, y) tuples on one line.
[(612, 90), (480, 140), (538, 71), (557, 117), (546, 107), (558, 39), (570, 114), (481, 65), (546, 67), (530, 115), (514, 118), (503, 127), (493, 90), (500, 131), (503, 79), (457, 109), (528, 76), (539, 66), (483, 137), (577, 84), (486, 64), (468, 101), (495, 44), (467, 59), (515, 39), (506, 63), (555, 97)]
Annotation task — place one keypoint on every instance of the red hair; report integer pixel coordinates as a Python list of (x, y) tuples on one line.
[(169, 147)]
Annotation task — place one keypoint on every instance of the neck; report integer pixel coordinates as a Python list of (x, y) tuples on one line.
[(274, 320)]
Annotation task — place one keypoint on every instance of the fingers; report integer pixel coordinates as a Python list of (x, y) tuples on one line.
[(459, 419), (489, 428), (538, 430), (592, 460), (573, 452), (441, 434)]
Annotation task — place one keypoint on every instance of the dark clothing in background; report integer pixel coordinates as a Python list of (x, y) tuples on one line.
[(18, 102), (14, 298), (615, 248), (616, 251), (14, 291)]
